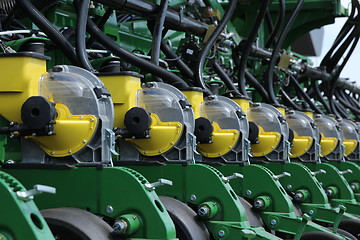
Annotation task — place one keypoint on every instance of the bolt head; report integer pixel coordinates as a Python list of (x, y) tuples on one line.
[(203, 211), (259, 203), (248, 192), (221, 233), (289, 186), (193, 197), (109, 209), (120, 227), (311, 212), (273, 222)]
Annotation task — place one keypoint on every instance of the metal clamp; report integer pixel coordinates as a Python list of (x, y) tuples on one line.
[(160, 182), (321, 171), (346, 171), (29, 194), (234, 176), (284, 174)]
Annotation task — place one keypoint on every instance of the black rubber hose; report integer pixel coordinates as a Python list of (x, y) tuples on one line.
[(344, 101), (278, 23), (341, 112), (319, 96), (306, 97), (82, 7), (53, 34), (204, 52), (288, 101), (270, 71), (183, 68), (157, 33), (248, 45), (167, 76), (225, 78), (101, 24), (255, 83)]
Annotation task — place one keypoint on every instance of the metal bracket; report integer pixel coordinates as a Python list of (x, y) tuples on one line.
[(29, 194), (305, 219), (338, 218), (346, 171), (234, 176), (160, 182), (284, 174), (321, 171)]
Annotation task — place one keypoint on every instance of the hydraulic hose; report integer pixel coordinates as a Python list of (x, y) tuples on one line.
[(101, 24), (306, 97), (279, 21), (255, 83), (183, 68), (157, 33), (288, 101), (248, 46), (204, 52), (82, 7), (135, 60), (54, 35), (225, 78), (270, 71), (319, 96)]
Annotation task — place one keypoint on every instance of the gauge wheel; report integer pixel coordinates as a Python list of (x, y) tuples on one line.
[(352, 226), (318, 236), (76, 224), (187, 224)]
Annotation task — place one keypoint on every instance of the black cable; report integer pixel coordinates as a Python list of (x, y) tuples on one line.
[(53, 34), (341, 111), (248, 45), (306, 97), (183, 68), (319, 96), (288, 101), (344, 101), (255, 83), (225, 78), (82, 7), (101, 24), (278, 23), (274, 56), (167, 76), (204, 52), (157, 33)]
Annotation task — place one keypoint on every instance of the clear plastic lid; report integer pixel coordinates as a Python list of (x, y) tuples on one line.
[(300, 124), (350, 130), (220, 112), (265, 118), (327, 126), (162, 102), (70, 89)]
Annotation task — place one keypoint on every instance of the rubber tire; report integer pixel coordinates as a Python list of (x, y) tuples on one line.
[(187, 224), (352, 226), (252, 216), (76, 224), (318, 236), (344, 233)]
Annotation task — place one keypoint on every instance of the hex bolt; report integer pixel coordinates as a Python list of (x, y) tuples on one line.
[(289, 187), (298, 196), (259, 203), (109, 209), (248, 192), (192, 197), (203, 211), (221, 233), (329, 192), (120, 227), (311, 212), (273, 222)]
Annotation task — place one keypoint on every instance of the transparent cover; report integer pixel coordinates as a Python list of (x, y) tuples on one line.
[(69, 89), (220, 112), (160, 101), (265, 118), (299, 124), (349, 130), (327, 126)]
